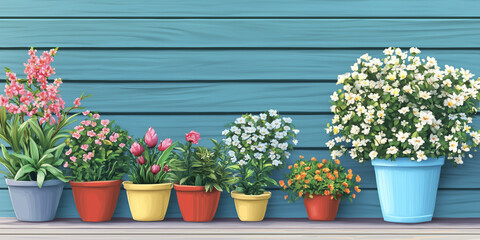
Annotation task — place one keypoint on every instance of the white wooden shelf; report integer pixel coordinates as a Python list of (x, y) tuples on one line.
[(122, 228)]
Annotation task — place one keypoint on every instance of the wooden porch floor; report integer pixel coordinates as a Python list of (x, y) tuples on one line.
[(121, 228)]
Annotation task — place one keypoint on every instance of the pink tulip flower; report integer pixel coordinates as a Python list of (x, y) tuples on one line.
[(151, 138), (141, 160), (136, 149), (164, 144), (155, 169)]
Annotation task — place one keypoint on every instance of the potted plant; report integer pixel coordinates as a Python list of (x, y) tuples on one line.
[(97, 160), (257, 144), (406, 115), (322, 185), (33, 118), (200, 174), (148, 190)]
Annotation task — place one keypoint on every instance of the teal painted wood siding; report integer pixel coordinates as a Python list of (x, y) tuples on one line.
[(179, 65)]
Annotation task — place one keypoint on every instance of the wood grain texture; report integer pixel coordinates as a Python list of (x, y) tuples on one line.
[(219, 65), (341, 228), (214, 33), (246, 8), (312, 127), (450, 204), (464, 176)]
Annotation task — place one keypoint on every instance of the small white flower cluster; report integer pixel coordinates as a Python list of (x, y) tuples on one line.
[(404, 106), (260, 137)]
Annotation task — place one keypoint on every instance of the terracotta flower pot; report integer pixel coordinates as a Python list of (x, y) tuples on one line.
[(148, 202), (251, 208), (96, 201), (321, 208), (195, 204)]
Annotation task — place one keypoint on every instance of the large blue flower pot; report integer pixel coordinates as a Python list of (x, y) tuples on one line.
[(407, 189), (34, 204)]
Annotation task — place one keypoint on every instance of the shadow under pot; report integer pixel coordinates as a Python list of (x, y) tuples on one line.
[(34, 204), (197, 205), (96, 201)]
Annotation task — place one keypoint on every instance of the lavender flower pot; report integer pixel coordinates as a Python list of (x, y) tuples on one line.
[(34, 204)]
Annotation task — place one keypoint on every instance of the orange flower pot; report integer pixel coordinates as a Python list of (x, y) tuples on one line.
[(195, 204), (321, 208), (96, 201)]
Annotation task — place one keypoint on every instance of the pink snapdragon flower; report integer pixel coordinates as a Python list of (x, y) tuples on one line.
[(85, 113), (68, 152), (122, 145), (73, 159), (96, 116), (36, 96), (84, 147)]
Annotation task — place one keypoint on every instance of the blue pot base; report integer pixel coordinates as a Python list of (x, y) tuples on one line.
[(418, 219)]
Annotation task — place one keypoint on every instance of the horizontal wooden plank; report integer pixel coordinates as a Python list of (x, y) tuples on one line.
[(180, 65), (231, 33), (341, 228), (246, 8), (181, 97), (464, 176), (450, 203)]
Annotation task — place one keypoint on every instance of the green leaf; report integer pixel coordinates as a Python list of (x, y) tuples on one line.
[(33, 150), (41, 173), (24, 170), (26, 158), (54, 171)]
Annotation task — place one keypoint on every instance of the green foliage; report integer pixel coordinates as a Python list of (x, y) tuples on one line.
[(105, 156), (403, 106), (201, 166), (259, 144), (35, 156), (142, 173), (326, 178)]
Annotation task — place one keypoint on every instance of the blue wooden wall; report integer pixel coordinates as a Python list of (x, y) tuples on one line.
[(179, 65)]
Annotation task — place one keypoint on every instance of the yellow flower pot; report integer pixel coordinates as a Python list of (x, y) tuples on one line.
[(251, 208), (148, 202)]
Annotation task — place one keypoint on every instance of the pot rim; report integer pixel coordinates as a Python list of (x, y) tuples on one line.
[(406, 162), (129, 185), (190, 188), (97, 184), (47, 183), (243, 196)]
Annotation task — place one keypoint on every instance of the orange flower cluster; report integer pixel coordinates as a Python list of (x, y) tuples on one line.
[(325, 177)]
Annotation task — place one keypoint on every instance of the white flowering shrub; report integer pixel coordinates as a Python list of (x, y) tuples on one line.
[(404, 106), (257, 144)]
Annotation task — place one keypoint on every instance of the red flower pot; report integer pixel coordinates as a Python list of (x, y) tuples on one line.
[(96, 201), (195, 204), (321, 208)]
